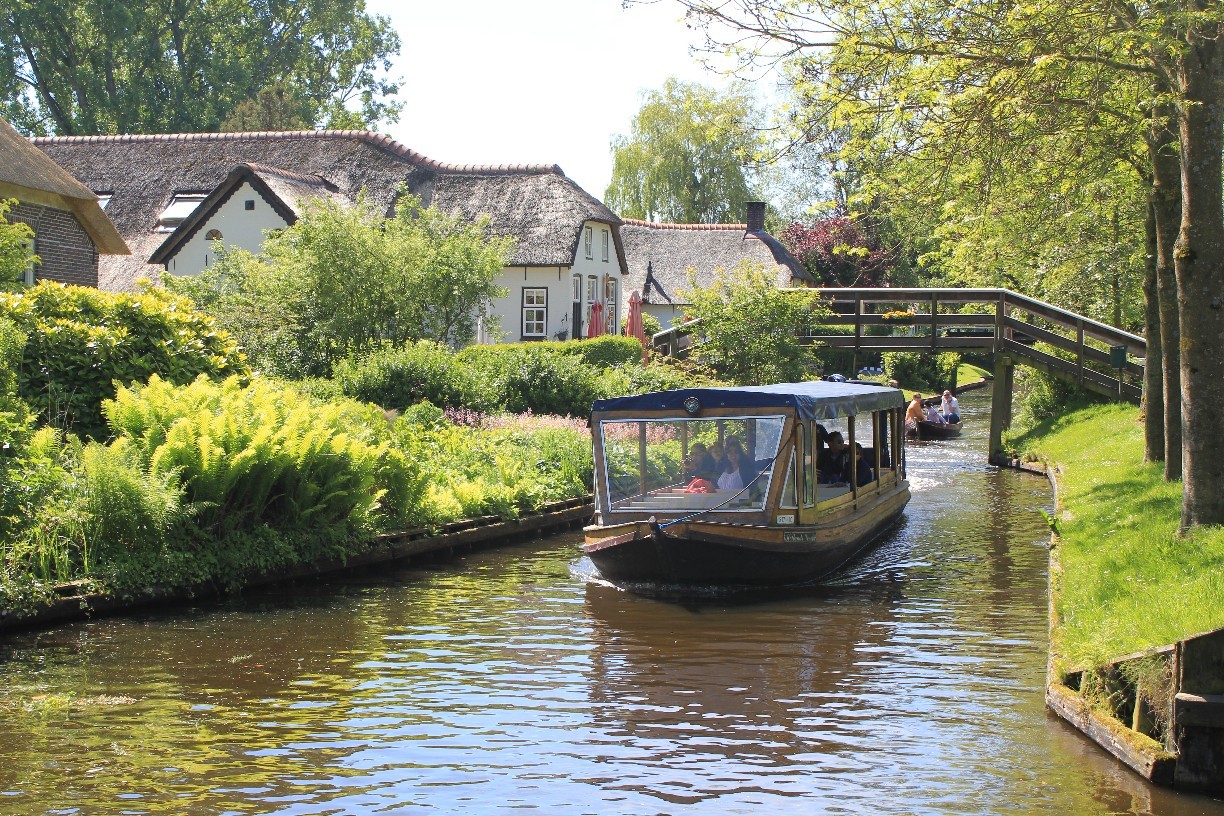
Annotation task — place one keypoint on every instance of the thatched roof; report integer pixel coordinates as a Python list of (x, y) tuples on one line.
[(659, 256), (536, 204), (29, 175)]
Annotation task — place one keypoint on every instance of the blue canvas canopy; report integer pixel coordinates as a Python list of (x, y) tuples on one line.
[(811, 400)]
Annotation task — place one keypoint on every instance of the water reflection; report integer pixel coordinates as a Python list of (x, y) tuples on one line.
[(913, 684)]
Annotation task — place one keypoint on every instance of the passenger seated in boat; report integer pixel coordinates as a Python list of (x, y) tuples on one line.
[(863, 468), (700, 464), (738, 470), (933, 415), (833, 462), (716, 455), (949, 407), (914, 413)]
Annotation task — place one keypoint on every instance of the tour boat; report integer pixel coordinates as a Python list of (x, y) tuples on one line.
[(775, 518), (925, 429)]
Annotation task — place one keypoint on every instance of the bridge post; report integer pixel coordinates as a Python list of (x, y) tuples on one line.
[(1001, 402)]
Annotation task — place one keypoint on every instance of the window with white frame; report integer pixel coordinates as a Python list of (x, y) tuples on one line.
[(607, 237), (535, 312), (610, 301), (586, 238), (181, 205)]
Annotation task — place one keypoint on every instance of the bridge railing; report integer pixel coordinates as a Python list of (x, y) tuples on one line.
[(982, 320)]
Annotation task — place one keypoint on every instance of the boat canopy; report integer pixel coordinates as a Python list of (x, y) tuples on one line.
[(817, 400)]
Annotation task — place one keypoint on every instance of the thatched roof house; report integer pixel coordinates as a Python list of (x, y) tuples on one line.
[(537, 204), (660, 255), (70, 228)]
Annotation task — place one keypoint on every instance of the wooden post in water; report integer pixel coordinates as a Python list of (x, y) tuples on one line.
[(1001, 402)]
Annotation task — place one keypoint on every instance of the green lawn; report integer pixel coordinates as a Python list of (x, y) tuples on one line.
[(1128, 582), (967, 373)]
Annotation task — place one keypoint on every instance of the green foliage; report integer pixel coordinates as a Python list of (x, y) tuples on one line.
[(162, 66), (920, 370), (541, 381), (264, 456), (81, 341), (1041, 396), (400, 377), (650, 325), (345, 280), (748, 326), (15, 241), (606, 350), (276, 107), (685, 156)]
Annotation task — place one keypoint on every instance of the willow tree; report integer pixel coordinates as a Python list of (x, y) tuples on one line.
[(1000, 55), (684, 159)]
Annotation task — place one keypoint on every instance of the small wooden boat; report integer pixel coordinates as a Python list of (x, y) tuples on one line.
[(774, 518), (934, 430)]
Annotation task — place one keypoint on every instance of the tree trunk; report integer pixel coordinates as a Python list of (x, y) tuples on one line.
[(1167, 207), (1199, 262), (1153, 376)]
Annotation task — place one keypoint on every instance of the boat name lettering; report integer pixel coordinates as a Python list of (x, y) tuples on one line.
[(798, 536)]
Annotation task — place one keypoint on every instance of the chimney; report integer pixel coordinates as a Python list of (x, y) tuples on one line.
[(756, 216)]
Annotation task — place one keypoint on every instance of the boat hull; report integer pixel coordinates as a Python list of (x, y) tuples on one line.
[(704, 555), (934, 430)]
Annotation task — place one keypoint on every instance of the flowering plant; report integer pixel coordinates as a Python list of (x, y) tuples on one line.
[(898, 316)]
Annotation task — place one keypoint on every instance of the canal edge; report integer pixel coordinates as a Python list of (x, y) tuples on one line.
[(385, 548)]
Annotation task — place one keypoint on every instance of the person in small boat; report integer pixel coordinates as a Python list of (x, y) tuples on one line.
[(933, 415), (949, 407), (700, 464), (914, 413), (833, 462), (738, 471), (716, 454)]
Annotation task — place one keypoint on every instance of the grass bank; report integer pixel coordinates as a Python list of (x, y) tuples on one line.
[(1128, 582)]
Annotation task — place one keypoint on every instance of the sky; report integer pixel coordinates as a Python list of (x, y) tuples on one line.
[(532, 81)]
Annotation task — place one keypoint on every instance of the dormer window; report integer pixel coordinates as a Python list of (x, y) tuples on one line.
[(103, 199), (181, 205)]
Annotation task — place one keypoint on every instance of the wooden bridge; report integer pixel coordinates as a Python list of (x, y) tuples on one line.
[(1005, 324)]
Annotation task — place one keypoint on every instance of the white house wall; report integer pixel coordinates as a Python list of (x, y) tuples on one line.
[(238, 226), (558, 282)]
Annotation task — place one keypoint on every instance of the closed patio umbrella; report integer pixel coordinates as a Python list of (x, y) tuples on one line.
[(596, 327), (633, 322)]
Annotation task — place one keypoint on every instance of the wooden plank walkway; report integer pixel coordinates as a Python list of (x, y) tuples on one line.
[(994, 321)]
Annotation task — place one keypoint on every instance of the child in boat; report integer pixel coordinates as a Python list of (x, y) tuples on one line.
[(933, 415), (700, 464), (833, 462)]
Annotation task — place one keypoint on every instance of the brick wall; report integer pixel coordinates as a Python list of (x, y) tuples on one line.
[(67, 253)]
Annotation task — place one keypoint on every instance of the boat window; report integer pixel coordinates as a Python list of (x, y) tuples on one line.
[(682, 466), (789, 498), (809, 465)]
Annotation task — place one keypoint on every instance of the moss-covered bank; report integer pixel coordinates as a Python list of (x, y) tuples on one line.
[(1128, 583)]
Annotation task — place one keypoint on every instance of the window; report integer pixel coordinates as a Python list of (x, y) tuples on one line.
[(592, 289), (213, 235), (610, 325), (104, 199), (27, 274), (586, 237), (249, 204), (535, 312), (606, 238), (181, 205), (811, 452)]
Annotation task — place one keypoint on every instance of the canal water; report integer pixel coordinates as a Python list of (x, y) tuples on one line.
[(508, 680)]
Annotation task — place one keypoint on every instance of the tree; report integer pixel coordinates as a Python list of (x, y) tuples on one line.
[(970, 69), (684, 159), (273, 108), (749, 327), (156, 66), (344, 280), (839, 251), (15, 243)]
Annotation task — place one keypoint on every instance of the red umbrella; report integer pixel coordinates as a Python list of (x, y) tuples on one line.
[(595, 327), (633, 323)]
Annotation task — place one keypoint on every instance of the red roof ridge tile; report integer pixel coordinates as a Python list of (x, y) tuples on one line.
[(378, 140), (635, 222)]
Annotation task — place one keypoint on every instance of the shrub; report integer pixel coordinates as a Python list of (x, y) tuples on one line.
[(81, 341), (264, 455), (400, 377), (919, 370), (650, 325), (522, 379), (608, 350)]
